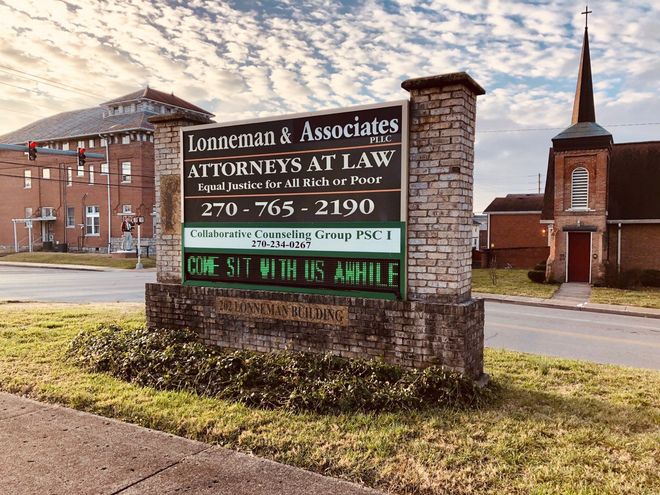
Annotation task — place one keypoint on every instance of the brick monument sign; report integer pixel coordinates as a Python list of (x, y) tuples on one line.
[(344, 231)]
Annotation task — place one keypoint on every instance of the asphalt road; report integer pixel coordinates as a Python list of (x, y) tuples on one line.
[(50, 285), (603, 338)]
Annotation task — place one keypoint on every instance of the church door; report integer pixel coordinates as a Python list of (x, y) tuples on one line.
[(579, 259)]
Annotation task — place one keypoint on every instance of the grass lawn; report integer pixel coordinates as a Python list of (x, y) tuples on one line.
[(77, 259), (511, 282), (556, 426), (647, 297)]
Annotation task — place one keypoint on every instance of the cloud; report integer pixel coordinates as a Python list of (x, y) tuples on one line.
[(247, 59)]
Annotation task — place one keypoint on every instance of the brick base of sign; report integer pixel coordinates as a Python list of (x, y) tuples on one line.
[(412, 334)]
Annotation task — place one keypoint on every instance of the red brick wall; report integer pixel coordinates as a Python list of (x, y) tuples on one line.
[(517, 231), (519, 257), (640, 245), (596, 163), (55, 193)]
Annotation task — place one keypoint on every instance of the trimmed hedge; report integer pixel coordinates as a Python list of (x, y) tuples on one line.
[(176, 360), (536, 276), (630, 279), (650, 278)]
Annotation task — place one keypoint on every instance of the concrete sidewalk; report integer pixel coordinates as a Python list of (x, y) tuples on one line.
[(571, 305), (574, 293), (55, 450)]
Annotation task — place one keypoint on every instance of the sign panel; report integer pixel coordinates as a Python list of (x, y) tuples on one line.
[(282, 310), (317, 189)]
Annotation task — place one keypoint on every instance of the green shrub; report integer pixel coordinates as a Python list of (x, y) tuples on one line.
[(540, 267), (536, 276), (629, 279), (176, 360)]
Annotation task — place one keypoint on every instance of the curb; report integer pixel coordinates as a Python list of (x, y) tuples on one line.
[(49, 266), (650, 313)]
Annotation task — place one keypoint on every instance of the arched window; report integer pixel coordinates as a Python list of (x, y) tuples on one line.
[(580, 189)]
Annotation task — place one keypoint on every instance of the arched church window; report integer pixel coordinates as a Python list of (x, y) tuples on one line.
[(580, 189)]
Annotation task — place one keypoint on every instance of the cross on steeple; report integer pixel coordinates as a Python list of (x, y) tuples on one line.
[(586, 14)]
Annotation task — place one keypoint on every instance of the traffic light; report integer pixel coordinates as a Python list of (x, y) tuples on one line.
[(81, 157), (32, 150)]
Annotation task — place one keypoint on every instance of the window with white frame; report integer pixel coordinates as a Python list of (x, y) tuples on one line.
[(45, 173), (81, 144), (65, 146), (126, 209), (104, 169), (91, 143), (126, 171), (92, 220), (104, 142), (69, 176), (126, 139), (28, 214), (81, 171), (580, 189), (70, 217), (91, 174), (27, 179)]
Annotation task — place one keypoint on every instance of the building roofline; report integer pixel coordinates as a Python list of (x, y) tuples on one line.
[(514, 212), (159, 102), (657, 141), (638, 221)]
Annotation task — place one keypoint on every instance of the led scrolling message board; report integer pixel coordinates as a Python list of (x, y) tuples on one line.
[(311, 203)]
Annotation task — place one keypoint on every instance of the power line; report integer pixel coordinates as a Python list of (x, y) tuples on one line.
[(21, 87), (29, 164), (45, 80), (532, 129), (75, 181)]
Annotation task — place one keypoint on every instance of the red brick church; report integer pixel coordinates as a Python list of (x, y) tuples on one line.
[(602, 200)]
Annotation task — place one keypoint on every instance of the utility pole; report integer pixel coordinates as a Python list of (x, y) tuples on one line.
[(539, 183), (139, 221)]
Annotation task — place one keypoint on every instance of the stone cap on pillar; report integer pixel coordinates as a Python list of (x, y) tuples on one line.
[(443, 80), (178, 116)]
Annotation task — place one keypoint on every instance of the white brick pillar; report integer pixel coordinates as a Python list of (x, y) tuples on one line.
[(441, 171), (167, 167)]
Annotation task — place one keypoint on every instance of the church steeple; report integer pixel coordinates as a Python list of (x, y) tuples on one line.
[(584, 132), (583, 106)]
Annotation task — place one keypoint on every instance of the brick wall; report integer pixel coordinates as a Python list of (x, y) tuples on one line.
[(519, 240), (441, 170), (407, 333), (596, 163), (519, 257), (517, 231), (168, 192), (439, 324), (55, 193), (639, 246)]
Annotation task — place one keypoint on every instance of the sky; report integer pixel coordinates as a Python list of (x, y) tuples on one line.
[(241, 60)]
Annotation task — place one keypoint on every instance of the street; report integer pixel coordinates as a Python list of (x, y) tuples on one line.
[(73, 286), (603, 338)]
